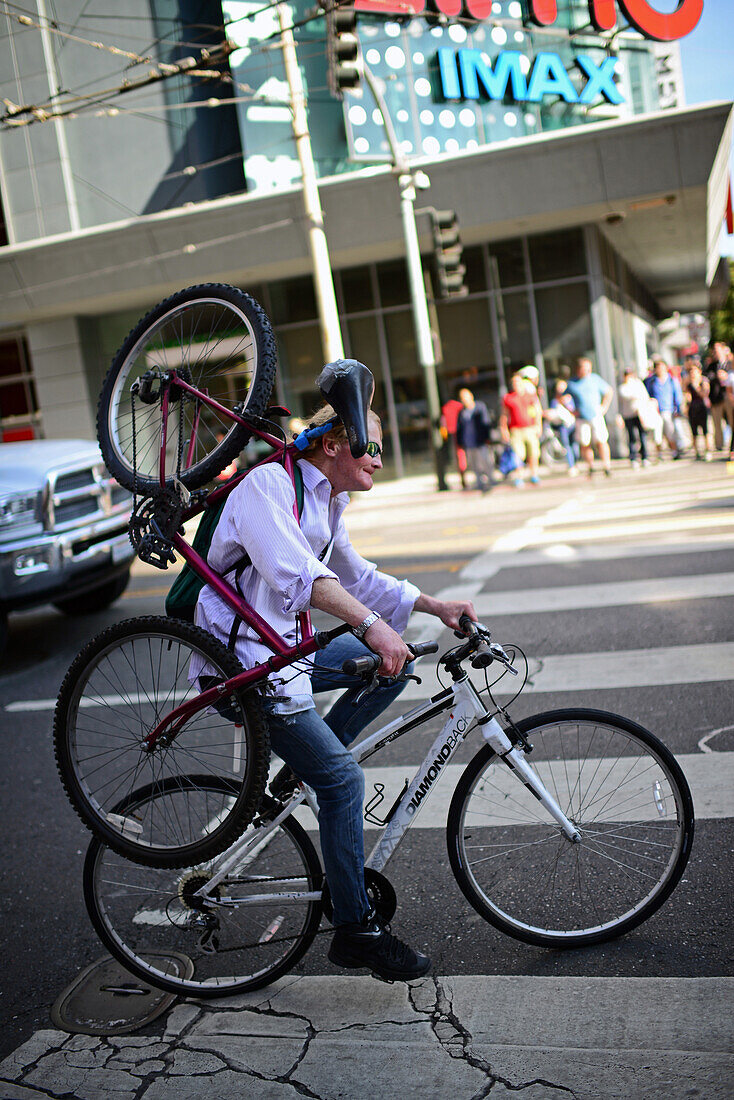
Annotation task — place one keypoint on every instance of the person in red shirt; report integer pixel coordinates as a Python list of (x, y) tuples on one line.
[(449, 417), (520, 422)]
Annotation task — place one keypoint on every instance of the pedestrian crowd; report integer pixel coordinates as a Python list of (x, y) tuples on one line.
[(672, 410)]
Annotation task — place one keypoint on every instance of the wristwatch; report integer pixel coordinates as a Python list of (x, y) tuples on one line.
[(361, 630)]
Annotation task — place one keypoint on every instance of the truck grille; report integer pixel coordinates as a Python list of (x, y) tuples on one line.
[(82, 493)]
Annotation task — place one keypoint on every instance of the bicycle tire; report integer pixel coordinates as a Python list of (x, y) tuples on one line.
[(143, 915), (520, 872), (222, 337), (118, 688)]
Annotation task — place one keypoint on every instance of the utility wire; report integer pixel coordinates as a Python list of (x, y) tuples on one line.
[(188, 249)]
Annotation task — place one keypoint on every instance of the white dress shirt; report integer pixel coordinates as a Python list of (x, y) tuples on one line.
[(258, 519)]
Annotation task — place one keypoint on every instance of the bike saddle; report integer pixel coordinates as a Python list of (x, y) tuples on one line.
[(348, 386)]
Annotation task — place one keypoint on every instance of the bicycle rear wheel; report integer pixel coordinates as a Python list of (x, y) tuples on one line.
[(220, 341), (122, 684), (148, 916), (625, 793)]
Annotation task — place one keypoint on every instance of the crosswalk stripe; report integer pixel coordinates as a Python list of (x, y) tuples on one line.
[(636, 527), (710, 777), (486, 565), (571, 672), (628, 668), (609, 594)]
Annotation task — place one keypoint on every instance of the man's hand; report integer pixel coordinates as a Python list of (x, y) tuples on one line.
[(448, 611), (394, 652)]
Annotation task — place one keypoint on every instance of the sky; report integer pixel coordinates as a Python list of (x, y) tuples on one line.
[(707, 55)]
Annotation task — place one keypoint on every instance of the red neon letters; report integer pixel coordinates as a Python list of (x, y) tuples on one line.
[(603, 13)]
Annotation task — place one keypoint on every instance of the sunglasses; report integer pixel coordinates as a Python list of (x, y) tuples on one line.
[(374, 449)]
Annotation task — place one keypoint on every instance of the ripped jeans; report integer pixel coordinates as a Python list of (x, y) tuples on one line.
[(315, 749)]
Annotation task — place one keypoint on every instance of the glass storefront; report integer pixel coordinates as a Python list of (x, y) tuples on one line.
[(529, 301)]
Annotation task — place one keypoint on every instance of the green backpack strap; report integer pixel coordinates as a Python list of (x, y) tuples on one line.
[(184, 592)]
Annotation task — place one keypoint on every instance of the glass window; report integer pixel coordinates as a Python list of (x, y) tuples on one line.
[(564, 321), (557, 255), (513, 314), (506, 263), (394, 285), (18, 403), (293, 300), (468, 351), (301, 358), (475, 278), (356, 290)]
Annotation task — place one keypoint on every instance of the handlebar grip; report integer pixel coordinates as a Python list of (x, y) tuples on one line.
[(360, 666), (419, 649), (467, 625)]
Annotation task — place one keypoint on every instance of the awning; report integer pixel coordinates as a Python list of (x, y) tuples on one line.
[(655, 184)]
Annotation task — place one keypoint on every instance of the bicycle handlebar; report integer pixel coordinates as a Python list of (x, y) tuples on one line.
[(363, 666)]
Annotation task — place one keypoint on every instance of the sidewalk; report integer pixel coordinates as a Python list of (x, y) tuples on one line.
[(353, 1038)]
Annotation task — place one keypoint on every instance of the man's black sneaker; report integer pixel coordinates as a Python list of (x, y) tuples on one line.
[(371, 945)]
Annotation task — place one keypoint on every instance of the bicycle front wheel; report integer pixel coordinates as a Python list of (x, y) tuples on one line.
[(241, 934), (122, 684), (628, 798), (219, 340)]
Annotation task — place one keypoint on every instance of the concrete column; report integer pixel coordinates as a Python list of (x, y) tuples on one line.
[(602, 334), (61, 383)]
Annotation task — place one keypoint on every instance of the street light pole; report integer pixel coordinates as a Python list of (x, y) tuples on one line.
[(406, 178), (331, 337)]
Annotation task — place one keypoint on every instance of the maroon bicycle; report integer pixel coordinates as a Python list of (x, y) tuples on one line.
[(185, 393)]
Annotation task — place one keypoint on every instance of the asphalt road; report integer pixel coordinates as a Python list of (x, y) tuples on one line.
[(671, 523)]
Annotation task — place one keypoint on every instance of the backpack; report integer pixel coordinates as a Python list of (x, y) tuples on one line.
[(184, 592)]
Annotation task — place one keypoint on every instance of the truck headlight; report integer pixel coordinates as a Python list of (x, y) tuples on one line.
[(17, 508)]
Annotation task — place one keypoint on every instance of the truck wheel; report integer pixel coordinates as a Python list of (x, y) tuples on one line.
[(96, 599)]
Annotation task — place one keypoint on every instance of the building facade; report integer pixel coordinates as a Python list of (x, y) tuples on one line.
[(590, 198)]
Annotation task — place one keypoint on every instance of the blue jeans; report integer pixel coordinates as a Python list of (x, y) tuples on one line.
[(315, 749), (564, 434)]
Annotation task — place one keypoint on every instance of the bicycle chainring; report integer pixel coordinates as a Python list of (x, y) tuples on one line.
[(380, 892), (152, 525)]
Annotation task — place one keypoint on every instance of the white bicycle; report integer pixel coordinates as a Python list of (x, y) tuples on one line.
[(566, 829)]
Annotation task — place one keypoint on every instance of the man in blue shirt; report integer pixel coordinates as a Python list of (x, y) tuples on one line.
[(665, 389), (592, 397)]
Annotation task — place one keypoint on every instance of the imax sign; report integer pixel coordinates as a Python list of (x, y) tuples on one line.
[(468, 74)]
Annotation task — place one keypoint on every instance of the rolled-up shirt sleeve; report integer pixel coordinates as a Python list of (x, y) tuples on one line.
[(393, 599), (261, 520)]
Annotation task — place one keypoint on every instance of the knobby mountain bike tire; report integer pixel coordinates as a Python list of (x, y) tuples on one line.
[(626, 794), (220, 340), (116, 691), (146, 916)]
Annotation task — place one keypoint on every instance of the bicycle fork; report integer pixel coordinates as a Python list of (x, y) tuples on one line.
[(514, 758)]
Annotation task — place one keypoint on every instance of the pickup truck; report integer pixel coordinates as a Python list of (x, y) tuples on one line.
[(63, 529)]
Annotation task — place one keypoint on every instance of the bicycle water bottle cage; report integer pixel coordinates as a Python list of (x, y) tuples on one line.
[(348, 386)]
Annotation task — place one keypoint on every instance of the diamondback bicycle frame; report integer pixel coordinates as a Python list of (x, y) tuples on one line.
[(466, 711)]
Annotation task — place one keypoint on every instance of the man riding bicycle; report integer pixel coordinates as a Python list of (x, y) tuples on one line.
[(297, 565)]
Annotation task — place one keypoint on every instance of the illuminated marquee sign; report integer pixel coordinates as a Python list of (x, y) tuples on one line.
[(640, 14), (464, 72)]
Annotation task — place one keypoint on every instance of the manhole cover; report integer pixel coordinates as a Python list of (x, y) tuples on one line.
[(106, 999)]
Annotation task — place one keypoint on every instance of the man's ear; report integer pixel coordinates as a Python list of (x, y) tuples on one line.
[(331, 445)]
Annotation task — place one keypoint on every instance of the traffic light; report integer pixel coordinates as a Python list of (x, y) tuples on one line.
[(447, 252), (343, 49)]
